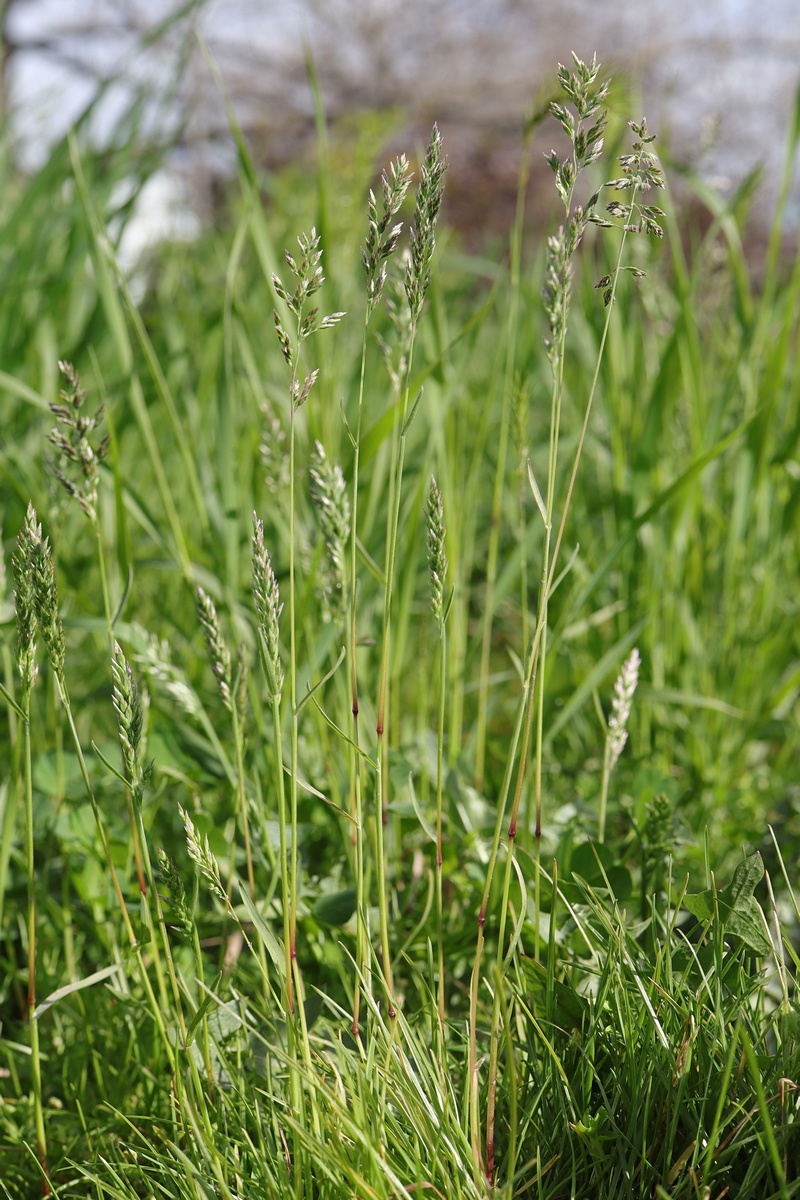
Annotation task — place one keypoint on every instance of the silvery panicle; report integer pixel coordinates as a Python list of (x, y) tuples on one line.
[(395, 357), (71, 438), (218, 651), (127, 705), (177, 893), (130, 707), (437, 551), (329, 497), (422, 242), (202, 857), (25, 599), (382, 235), (308, 273), (39, 593), (640, 173), (586, 98), (624, 689), (268, 607)]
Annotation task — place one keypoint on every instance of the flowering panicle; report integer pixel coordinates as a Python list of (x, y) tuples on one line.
[(329, 496), (423, 231), (202, 857), (308, 272), (437, 552), (584, 127), (382, 235), (177, 893), (268, 607), (25, 599), (129, 708), (218, 650), (624, 689), (71, 437)]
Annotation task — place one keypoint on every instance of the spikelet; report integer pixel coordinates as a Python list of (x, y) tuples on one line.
[(437, 552)]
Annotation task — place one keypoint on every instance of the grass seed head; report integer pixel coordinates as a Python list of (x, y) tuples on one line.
[(382, 235), (329, 496), (307, 271), (128, 707), (71, 438), (268, 606), (200, 854), (624, 688), (437, 552), (218, 651), (423, 231), (586, 97), (177, 893), (25, 598), (45, 593), (395, 356)]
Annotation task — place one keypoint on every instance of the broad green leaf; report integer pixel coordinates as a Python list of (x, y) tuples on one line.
[(569, 1008), (335, 908), (739, 912)]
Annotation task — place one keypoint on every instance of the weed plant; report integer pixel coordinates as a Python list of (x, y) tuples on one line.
[(325, 867)]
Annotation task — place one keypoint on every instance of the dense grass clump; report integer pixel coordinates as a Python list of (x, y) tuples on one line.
[(400, 677)]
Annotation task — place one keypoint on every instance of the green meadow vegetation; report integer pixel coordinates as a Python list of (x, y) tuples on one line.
[(400, 675)]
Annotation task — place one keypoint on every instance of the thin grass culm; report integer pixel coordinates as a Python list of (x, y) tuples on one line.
[(583, 121), (437, 575), (383, 234), (416, 283), (25, 599)]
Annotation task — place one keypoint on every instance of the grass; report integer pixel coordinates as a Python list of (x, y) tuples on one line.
[(325, 867)]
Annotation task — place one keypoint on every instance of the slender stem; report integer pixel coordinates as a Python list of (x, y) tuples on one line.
[(292, 699), (285, 901), (499, 479), (157, 1007), (381, 799), (362, 934), (33, 1020), (439, 806), (475, 978), (101, 563), (241, 795), (601, 820)]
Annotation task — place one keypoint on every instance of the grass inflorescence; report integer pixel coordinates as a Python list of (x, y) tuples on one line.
[(333, 860)]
